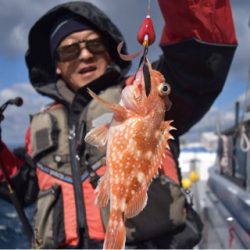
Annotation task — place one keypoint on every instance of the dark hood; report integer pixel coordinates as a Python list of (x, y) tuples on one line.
[(38, 59)]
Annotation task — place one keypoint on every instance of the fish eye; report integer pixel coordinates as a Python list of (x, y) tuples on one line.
[(164, 89)]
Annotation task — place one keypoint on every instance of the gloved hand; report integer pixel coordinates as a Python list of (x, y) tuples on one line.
[(206, 20), (8, 161)]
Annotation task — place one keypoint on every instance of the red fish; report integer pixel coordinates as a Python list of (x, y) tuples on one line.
[(135, 142)]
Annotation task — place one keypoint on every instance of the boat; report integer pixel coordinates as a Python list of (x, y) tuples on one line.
[(224, 199)]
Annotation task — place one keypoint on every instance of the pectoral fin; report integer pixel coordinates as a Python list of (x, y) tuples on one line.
[(102, 190), (137, 204), (98, 137)]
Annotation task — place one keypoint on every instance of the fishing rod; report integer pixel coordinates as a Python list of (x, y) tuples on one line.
[(11, 190), (18, 101)]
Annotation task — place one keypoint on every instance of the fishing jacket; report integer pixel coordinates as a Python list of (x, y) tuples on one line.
[(196, 56)]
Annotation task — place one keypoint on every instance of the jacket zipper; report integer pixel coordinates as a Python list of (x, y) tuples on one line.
[(74, 158)]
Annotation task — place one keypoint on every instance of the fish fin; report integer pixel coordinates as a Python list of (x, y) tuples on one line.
[(158, 155), (98, 136), (137, 204), (116, 231), (166, 125), (120, 113), (102, 191)]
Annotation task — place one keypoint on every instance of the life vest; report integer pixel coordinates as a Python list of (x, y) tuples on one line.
[(49, 141)]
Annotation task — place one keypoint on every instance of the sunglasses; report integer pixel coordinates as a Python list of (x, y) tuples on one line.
[(72, 51)]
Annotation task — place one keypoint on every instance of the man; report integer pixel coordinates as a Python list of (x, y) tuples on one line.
[(72, 47)]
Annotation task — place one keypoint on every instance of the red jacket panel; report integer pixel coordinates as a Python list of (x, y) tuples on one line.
[(207, 20), (8, 161)]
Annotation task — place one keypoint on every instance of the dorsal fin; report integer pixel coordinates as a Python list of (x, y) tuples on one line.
[(120, 113)]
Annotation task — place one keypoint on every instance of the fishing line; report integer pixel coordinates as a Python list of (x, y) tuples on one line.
[(149, 7)]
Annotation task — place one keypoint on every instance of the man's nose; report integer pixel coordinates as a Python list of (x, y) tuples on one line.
[(85, 53)]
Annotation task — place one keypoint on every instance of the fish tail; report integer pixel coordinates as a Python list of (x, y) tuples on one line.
[(116, 232)]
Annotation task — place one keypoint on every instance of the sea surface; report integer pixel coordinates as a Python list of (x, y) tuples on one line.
[(11, 234)]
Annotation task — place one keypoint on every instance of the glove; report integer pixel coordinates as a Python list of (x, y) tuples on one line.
[(9, 162)]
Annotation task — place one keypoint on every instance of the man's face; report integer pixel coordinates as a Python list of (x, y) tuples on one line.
[(85, 67)]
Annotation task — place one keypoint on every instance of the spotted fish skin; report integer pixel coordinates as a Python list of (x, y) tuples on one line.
[(135, 141)]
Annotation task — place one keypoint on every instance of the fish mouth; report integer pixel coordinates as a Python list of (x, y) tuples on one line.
[(87, 70)]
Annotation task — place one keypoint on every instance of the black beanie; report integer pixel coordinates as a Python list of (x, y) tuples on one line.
[(63, 28)]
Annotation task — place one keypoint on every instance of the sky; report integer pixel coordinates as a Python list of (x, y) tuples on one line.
[(17, 16)]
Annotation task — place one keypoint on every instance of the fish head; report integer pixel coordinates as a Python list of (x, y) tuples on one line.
[(159, 91), (134, 96)]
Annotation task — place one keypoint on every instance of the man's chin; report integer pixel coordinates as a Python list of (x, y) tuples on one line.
[(88, 79), (83, 81)]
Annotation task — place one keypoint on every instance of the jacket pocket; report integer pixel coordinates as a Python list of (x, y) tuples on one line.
[(48, 223), (44, 134)]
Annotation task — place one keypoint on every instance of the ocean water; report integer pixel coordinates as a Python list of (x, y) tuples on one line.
[(11, 234)]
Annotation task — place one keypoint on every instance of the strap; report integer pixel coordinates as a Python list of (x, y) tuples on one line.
[(94, 177), (91, 168), (67, 178)]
